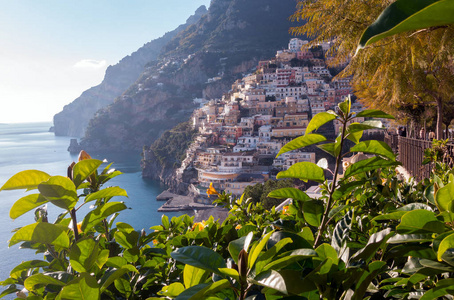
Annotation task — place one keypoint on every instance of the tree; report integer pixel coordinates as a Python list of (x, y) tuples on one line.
[(397, 71), (259, 192)]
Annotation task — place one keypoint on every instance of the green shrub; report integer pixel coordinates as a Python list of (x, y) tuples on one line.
[(370, 235)]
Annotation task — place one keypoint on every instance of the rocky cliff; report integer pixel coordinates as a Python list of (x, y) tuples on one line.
[(74, 118), (227, 41), (167, 154)]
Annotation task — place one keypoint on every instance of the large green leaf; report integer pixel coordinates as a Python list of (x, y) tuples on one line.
[(408, 15), (357, 127), (319, 120), (328, 148), (124, 287), (346, 188), (289, 258), (29, 179), (116, 262), (398, 213), (114, 274), (296, 285), (298, 241), (100, 213), (375, 242), (446, 244), (232, 273), (44, 233), (373, 113), (25, 204), (444, 197), (236, 246), (12, 289), (31, 264), (269, 255), (83, 255), (103, 257), (83, 169), (374, 147), (304, 171), (313, 211), (420, 221), (59, 190), (103, 178), (193, 276), (368, 165), (132, 254), (83, 287), (413, 251), (410, 238), (436, 265), (301, 142), (203, 291), (200, 257), (395, 215), (41, 280), (345, 106), (172, 290), (292, 193), (271, 279), (337, 145), (355, 137), (256, 251), (327, 255), (106, 193), (127, 239)]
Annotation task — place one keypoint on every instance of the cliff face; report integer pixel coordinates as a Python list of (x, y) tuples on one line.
[(178, 184), (225, 43), (74, 118)]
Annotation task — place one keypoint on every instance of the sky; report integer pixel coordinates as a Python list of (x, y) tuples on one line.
[(53, 50)]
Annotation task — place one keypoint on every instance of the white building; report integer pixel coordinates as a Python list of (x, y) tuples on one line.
[(288, 159), (265, 133), (246, 143), (295, 44), (235, 162)]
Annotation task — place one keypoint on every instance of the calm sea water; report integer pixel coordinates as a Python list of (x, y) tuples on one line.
[(31, 146)]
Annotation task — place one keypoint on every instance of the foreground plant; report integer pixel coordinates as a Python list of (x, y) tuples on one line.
[(370, 234), (76, 254)]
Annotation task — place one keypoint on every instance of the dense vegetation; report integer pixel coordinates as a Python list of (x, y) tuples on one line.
[(398, 72), (258, 193), (369, 234), (170, 148)]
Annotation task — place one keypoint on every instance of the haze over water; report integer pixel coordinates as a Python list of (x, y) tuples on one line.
[(31, 146)]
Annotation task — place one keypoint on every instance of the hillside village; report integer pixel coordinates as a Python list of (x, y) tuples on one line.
[(239, 135)]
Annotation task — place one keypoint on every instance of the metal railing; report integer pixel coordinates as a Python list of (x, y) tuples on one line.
[(392, 140), (411, 155)]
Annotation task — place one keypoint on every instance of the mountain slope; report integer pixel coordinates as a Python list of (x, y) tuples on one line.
[(74, 118), (225, 43)]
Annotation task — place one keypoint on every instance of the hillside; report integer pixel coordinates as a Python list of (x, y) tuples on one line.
[(201, 61), (74, 118)]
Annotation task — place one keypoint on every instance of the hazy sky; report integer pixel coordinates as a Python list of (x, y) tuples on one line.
[(53, 50)]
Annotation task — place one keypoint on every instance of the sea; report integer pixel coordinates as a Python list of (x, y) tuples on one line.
[(30, 146)]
